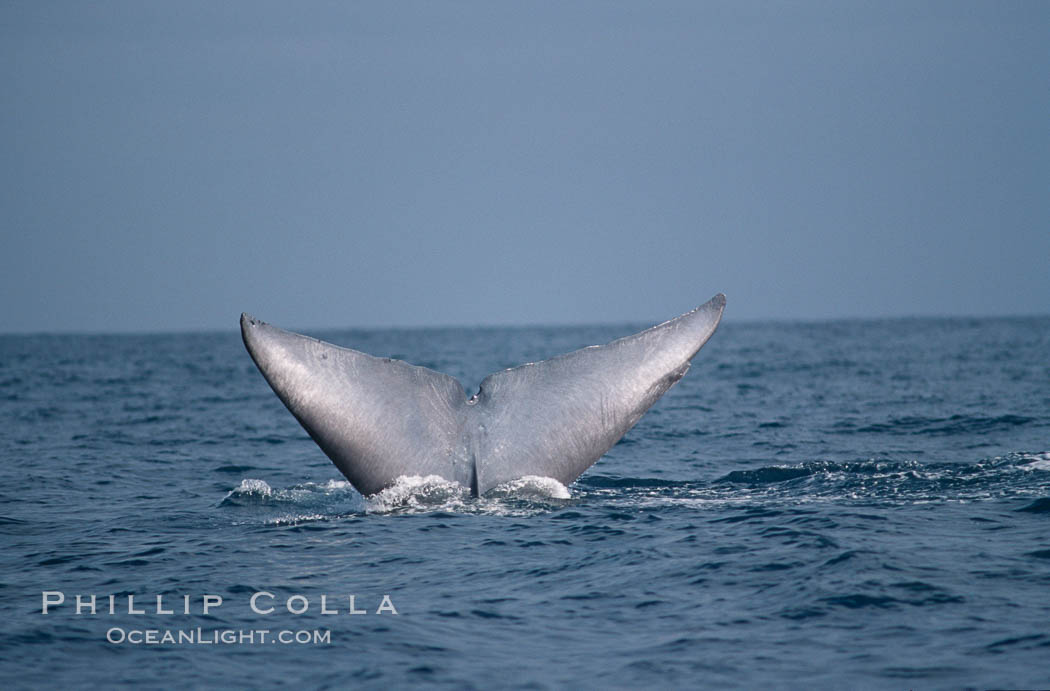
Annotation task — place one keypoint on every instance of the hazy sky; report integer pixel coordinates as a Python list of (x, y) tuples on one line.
[(169, 165)]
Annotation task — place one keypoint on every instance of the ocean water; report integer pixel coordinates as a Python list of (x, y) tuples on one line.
[(852, 504)]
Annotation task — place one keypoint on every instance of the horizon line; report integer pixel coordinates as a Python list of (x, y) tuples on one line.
[(133, 331)]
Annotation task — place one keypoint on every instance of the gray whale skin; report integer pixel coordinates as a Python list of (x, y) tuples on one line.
[(379, 419)]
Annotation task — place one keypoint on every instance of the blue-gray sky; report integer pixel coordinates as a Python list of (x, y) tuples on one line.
[(168, 165)]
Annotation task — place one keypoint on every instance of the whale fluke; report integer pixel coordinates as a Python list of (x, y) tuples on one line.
[(379, 419)]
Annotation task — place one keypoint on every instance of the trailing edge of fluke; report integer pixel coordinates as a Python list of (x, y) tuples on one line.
[(379, 419)]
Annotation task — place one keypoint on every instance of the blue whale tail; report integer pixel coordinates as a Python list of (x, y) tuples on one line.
[(379, 419)]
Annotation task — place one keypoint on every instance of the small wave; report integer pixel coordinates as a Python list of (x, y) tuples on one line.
[(945, 426), (1041, 505), (832, 471), (763, 476), (234, 469), (613, 482), (1014, 475)]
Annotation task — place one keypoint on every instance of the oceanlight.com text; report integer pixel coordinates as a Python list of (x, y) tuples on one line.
[(198, 636)]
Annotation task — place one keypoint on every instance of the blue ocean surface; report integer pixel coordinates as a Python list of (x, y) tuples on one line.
[(847, 504)]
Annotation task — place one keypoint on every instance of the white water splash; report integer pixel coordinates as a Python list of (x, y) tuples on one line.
[(415, 492), (251, 487), (408, 494), (1035, 461), (256, 492), (531, 487)]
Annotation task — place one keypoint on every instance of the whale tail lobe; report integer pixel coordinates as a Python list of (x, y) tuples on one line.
[(379, 419)]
